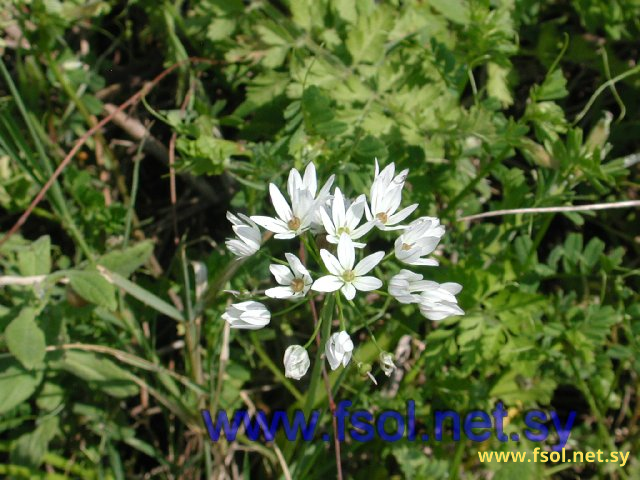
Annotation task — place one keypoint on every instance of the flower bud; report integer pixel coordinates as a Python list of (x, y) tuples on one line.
[(247, 315), (296, 362), (386, 363), (338, 349), (364, 368)]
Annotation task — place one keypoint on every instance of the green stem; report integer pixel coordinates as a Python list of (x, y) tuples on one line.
[(58, 199), (457, 460), (603, 433), (274, 368)]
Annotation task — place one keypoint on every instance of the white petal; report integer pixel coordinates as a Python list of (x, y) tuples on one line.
[(327, 222), (294, 182), (426, 262), (284, 236), (279, 203), (310, 180), (349, 291), (401, 215), (365, 265), (328, 283), (452, 287), (362, 230), (346, 252), (239, 249), (324, 192), (282, 274), (366, 284), (279, 292), (272, 224), (298, 269), (346, 359), (331, 262), (337, 209)]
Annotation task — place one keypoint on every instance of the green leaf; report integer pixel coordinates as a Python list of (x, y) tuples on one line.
[(16, 383), (50, 397), (145, 296), (592, 252), (35, 259), (523, 246), (101, 372), (498, 84), (25, 339), (126, 261), (31, 447), (455, 10), (318, 113), (554, 87), (94, 288), (370, 147)]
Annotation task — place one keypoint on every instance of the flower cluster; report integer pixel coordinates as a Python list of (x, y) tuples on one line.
[(342, 225)]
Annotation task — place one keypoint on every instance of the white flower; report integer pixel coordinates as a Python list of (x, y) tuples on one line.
[(309, 183), (343, 275), (404, 285), (420, 238), (385, 198), (248, 315), (249, 237), (338, 349), (438, 301), (296, 362), (303, 212), (345, 219), (386, 363), (295, 281)]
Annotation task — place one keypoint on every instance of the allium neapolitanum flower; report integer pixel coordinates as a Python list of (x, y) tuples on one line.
[(420, 238), (296, 362), (344, 219), (405, 285), (438, 301), (248, 315), (343, 274), (385, 198), (295, 280), (317, 216), (249, 236), (295, 219), (338, 349)]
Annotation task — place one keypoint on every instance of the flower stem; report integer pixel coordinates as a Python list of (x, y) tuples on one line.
[(274, 369), (311, 247), (313, 335), (340, 311)]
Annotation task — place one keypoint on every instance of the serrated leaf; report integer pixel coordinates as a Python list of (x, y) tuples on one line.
[(318, 113), (346, 10), (592, 252), (94, 288), (370, 147), (26, 340), (128, 260), (522, 246), (99, 371), (455, 10), (498, 85), (554, 87)]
